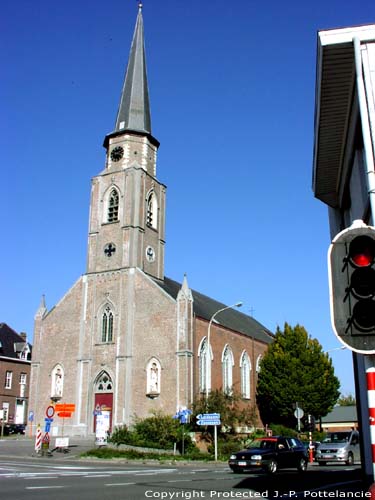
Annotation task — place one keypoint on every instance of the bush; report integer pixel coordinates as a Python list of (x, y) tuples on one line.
[(157, 431), (281, 430)]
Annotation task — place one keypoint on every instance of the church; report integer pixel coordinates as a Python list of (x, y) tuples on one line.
[(125, 339)]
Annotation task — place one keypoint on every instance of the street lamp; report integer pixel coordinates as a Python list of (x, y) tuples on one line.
[(237, 304)]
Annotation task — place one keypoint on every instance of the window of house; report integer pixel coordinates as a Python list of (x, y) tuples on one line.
[(153, 371), (204, 366), (113, 204), (57, 381), (23, 379), (152, 211), (8, 379), (107, 324), (5, 412), (227, 369), (245, 367), (257, 367)]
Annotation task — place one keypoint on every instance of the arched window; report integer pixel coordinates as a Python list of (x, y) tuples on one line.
[(227, 367), (107, 324), (57, 382), (245, 367), (153, 371), (204, 366), (113, 204), (103, 383), (257, 366), (152, 211)]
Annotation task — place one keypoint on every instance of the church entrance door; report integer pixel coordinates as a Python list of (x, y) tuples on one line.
[(104, 405)]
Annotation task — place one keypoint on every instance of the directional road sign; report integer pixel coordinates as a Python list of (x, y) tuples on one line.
[(208, 419)]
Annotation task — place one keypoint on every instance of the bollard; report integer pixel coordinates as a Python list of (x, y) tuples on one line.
[(38, 439)]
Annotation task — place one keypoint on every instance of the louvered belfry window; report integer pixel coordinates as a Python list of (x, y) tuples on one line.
[(113, 206)]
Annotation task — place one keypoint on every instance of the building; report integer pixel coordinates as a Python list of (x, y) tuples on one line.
[(343, 167), (125, 340), (15, 363), (341, 418)]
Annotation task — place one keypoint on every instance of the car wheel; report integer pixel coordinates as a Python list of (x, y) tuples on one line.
[(322, 463), (350, 460), (272, 467), (302, 465)]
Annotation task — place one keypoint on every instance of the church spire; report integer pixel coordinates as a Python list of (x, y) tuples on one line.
[(134, 110)]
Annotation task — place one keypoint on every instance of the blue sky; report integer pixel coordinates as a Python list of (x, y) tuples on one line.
[(232, 98)]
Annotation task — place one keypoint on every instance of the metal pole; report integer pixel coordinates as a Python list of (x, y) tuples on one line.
[(215, 443)]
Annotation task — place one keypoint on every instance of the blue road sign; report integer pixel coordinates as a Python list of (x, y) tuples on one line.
[(209, 416), (209, 421), (48, 421), (47, 427)]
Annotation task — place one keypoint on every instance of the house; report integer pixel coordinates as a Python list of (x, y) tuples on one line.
[(341, 418), (15, 363)]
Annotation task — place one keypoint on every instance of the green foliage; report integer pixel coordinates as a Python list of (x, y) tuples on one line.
[(109, 453), (158, 431), (295, 369), (281, 430), (346, 400), (228, 407)]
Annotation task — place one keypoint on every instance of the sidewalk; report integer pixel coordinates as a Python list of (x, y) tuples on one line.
[(24, 446)]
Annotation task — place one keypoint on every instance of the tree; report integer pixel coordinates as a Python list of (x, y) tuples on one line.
[(346, 400), (295, 370), (228, 407)]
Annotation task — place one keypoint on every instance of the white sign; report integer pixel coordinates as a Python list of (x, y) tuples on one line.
[(62, 442), (102, 427), (298, 413)]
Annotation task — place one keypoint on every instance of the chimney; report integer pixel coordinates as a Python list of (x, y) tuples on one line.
[(24, 336)]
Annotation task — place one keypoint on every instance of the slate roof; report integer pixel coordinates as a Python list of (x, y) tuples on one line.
[(341, 414), (11, 343), (204, 307)]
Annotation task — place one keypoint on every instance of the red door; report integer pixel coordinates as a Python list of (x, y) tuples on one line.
[(104, 402)]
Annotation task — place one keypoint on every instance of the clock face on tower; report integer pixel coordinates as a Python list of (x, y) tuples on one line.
[(117, 153)]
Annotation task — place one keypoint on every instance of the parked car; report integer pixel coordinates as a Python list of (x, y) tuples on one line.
[(340, 447), (270, 454), (13, 429)]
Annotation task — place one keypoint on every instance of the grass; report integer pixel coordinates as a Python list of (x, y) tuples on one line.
[(108, 453)]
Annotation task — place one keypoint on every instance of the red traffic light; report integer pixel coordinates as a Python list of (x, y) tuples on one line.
[(362, 251)]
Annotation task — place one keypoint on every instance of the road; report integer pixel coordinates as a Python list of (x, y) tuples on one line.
[(63, 477)]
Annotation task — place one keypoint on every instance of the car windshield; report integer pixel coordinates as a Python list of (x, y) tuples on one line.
[(337, 437), (266, 444)]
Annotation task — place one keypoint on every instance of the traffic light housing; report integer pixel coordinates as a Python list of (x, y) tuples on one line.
[(351, 264)]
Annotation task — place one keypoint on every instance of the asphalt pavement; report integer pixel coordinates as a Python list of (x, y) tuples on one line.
[(343, 478)]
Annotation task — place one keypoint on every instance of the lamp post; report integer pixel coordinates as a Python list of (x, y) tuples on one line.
[(237, 304)]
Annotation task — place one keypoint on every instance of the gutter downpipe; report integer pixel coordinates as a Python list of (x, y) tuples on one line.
[(366, 375)]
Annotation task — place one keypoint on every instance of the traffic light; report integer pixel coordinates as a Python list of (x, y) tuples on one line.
[(351, 264)]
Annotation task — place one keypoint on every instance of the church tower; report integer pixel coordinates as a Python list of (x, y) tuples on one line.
[(127, 210)]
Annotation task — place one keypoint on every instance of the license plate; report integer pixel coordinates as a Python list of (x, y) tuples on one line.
[(327, 456), (241, 463)]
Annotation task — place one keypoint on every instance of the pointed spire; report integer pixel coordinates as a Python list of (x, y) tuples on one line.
[(134, 110), (185, 292), (42, 309)]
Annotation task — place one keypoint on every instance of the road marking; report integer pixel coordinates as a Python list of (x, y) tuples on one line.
[(42, 487), (98, 475), (179, 481), (118, 484)]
